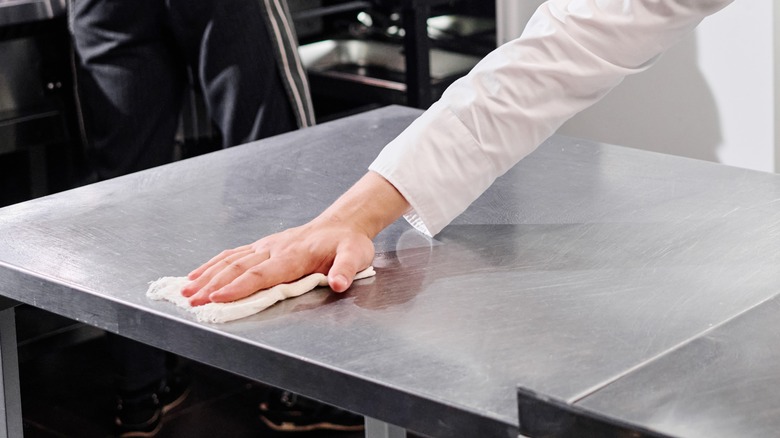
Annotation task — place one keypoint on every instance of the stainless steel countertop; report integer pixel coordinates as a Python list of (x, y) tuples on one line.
[(580, 264), (725, 383)]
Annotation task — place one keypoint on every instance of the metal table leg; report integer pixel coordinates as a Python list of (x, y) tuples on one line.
[(379, 429), (11, 403), (416, 50)]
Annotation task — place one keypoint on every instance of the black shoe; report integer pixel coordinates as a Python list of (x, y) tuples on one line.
[(139, 414), (174, 390), (284, 411)]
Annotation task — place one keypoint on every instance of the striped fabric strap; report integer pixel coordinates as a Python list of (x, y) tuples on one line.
[(291, 67)]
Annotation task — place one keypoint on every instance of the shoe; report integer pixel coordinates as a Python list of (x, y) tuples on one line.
[(139, 413), (174, 390), (284, 411)]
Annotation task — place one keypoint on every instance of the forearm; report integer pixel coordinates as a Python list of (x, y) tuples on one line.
[(371, 205), (570, 55)]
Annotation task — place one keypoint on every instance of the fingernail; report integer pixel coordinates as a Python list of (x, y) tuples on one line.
[(341, 282), (188, 289)]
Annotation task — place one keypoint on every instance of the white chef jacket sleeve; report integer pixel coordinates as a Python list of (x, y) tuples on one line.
[(570, 55)]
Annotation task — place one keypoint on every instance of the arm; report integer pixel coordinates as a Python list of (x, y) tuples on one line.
[(336, 243), (570, 55)]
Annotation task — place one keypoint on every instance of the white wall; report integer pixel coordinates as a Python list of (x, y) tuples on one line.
[(776, 57), (712, 97)]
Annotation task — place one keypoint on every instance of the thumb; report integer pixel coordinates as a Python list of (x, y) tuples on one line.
[(345, 265)]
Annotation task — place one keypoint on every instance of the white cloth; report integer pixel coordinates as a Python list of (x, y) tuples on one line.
[(570, 55), (169, 289)]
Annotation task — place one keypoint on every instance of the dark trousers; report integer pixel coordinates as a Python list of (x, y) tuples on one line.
[(137, 366), (132, 61)]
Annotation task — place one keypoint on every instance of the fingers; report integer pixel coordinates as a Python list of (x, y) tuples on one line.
[(221, 274), (271, 272), (224, 254), (216, 264), (321, 246)]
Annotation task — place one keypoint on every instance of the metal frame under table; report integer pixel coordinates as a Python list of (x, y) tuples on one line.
[(580, 264)]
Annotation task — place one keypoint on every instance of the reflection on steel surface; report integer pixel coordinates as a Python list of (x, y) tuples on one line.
[(377, 63), (580, 263)]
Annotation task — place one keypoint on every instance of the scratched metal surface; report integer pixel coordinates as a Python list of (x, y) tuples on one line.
[(583, 262), (723, 384)]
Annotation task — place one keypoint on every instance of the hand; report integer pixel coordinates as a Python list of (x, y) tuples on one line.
[(337, 243), (326, 246)]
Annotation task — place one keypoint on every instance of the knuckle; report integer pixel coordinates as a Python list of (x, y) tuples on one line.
[(257, 273), (237, 267)]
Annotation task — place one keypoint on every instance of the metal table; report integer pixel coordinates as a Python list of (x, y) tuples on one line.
[(581, 264), (724, 383)]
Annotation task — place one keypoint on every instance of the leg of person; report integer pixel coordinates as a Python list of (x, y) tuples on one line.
[(130, 83), (148, 385), (230, 49), (139, 371), (130, 86), (253, 90)]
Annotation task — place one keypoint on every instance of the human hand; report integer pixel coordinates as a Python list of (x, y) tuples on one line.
[(324, 245), (337, 243)]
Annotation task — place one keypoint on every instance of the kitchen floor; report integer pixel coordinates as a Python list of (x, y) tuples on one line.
[(68, 394)]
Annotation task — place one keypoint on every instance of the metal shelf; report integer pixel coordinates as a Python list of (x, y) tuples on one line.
[(15, 12)]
